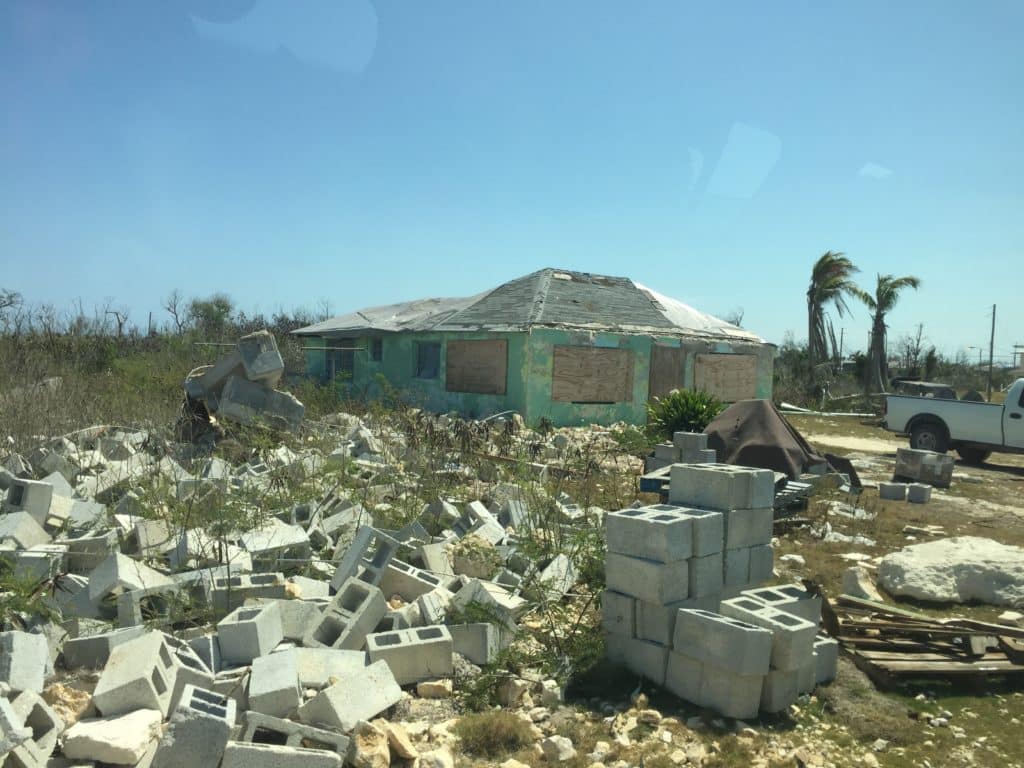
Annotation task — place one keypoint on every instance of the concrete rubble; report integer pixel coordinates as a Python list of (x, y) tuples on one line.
[(241, 388), (214, 644)]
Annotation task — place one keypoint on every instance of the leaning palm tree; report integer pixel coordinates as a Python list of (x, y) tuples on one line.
[(830, 283), (887, 293)]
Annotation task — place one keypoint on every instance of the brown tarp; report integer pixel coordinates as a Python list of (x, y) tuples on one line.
[(752, 433)]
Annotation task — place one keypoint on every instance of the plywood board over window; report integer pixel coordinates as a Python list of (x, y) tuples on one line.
[(592, 375), (477, 366), (668, 364), (728, 377)]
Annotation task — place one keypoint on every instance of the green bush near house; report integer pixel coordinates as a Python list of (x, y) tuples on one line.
[(681, 410)]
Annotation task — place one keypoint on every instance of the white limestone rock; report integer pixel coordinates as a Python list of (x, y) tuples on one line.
[(956, 570)]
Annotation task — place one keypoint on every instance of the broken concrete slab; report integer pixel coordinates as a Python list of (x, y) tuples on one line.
[(119, 740)]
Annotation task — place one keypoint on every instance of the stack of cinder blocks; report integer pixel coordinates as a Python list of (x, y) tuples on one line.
[(685, 448), (927, 467), (679, 609)]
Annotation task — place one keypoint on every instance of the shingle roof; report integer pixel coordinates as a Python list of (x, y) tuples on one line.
[(551, 298)]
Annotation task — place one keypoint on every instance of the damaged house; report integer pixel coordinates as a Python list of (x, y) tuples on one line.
[(571, 347)]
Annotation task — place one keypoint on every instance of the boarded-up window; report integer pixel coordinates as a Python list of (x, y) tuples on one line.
[(477, 366), (592, 375), (668, 364), (728, 377)]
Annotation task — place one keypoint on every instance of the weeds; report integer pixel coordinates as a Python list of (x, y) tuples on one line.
[(492, 734)]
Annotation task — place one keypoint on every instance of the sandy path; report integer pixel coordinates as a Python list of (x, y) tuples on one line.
[(867, 444)]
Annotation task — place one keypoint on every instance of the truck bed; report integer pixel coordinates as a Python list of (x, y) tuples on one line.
[(967, 421)]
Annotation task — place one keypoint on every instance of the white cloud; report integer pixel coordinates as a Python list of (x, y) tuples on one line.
[(874, 171)]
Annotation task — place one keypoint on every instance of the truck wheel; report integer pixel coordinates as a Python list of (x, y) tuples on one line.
[(973, 455), (929, 436)]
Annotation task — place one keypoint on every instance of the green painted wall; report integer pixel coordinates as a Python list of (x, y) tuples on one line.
[(397, 367), (530, 359)]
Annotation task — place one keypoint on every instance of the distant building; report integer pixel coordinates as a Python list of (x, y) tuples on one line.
[(571, 347)]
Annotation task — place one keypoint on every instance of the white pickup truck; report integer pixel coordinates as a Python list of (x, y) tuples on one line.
[(975, 430)]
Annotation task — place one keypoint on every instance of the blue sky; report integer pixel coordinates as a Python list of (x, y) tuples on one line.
[(370, 152)]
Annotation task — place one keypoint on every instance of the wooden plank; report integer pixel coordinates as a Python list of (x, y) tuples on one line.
[(479, 366), (728, 377), (668, 366), (592, 375)]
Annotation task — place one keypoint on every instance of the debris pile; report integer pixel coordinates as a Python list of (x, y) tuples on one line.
[(163, 643), (241, 388), (683, 609)]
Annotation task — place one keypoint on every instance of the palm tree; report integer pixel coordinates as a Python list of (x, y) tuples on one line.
[(887, 293), (830, 283)]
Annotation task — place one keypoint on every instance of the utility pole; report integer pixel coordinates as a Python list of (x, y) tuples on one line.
[(991, 344), (841, 330)]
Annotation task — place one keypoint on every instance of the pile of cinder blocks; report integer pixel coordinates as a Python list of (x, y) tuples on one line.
[(241, 386), (685, 448), (682, 607)]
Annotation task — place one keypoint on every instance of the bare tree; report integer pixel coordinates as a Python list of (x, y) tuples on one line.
[(120, 318), (733, 317), (174, 304)]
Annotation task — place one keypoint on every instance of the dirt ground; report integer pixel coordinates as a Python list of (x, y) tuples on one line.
[(982, 501)]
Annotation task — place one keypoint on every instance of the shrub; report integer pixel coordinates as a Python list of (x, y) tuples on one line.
[(490, 734), (681, 410)]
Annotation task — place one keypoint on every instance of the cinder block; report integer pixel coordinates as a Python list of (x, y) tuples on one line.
[(31, 496), (12, 728), (414, 654), (433, 606), (407, 582), (683, 675), (792, 637), (826, 651), (496, 601), (479, 642), (781, 688), (85, 553), (233, 684), (243, 755), (297, 616), (248, 633), (722, 641), (199, 729), (153, 606), (191, 670), (708, 531), (806, 674), (336, 707), (618, 614), (730, 694), (264, 729), (690, 442), (139, 674), (790, 598), (21, 529), (207, 648), (662, 533), (45, 725), (260, 358), (736, 567), (318, 665), (721, 486), (892, 491), (641, 657), (353, 613), (748, 527), (249, 403), (93, 651), (365, 559), (276, 545), (274, 684), (120, 573), (919, 493), (657, 622), (476, 518), (705, 575), (762, 560), (230, 592), (648, 580)]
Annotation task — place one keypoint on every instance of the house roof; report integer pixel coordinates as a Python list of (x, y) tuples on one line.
[(548, 298)]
